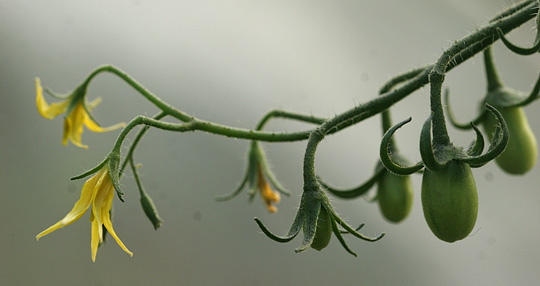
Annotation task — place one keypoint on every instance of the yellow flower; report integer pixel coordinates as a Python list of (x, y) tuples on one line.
[(269, 197), (97, 191), (78, 115)]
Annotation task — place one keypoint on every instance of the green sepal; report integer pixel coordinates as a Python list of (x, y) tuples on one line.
[(307, 218), (312, 208), (478, 145), (452, 118), (235, 192), (250, 177), (357, 229), (386, 156), (282, 239), (497, 146), (351, 230), (272, 178), (253, 161), (57, 96), (256, 158), (426, 150), (507, 97), (114, 172), (358, 191), (260, 158), (295, 228), (76, 96), (91, 171), (520, 50), (340, 238)]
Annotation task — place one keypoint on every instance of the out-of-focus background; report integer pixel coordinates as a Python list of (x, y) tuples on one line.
[(230, 62)]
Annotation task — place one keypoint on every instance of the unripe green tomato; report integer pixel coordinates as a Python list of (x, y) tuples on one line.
[(450, 201), (395, 196), (323, 234), (520, 154)]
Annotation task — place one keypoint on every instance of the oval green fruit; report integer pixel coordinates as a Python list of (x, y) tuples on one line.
[(520, 154), (323, 234), (450, 201), (395, 196)]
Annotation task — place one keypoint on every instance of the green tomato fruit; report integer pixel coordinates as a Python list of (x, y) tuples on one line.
[(450, 201), (395, 196), (323, 234), (520, 155)]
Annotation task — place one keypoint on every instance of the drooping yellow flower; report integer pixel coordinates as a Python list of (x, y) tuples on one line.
[(78, 115), (97, 191), (269, 197)]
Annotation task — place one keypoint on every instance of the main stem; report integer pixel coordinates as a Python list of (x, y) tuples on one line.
[(459, 52)]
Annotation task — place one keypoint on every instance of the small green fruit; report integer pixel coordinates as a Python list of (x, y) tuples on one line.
[(395, 196), (450, 201), (520, 155), (323, 234)]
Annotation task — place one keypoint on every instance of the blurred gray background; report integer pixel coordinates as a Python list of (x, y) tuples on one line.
[(230, 62)]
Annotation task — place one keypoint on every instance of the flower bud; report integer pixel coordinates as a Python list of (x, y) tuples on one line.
[(150, 210)]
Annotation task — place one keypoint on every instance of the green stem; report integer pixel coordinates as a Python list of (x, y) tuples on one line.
[(463, 47), (386, 123), (136, 141), (136, 176), (343, 120), (197, 124), (389, 85), (193, 126), (506, 24), (310, 181), (456, 54), (440, 133), (242, 133), (288, 115), (165, 107), (493, 80), (147, 121), (401, 78)]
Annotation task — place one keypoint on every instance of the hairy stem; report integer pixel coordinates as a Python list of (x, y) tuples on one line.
[(452, 57)]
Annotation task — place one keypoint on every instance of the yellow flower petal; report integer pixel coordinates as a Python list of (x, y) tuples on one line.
[(109, 227), (73, 126), (94, 243), (101, 214), (46, 110), (98, 191), (73, 122), (80, 207), (93, 104), (91, 125)]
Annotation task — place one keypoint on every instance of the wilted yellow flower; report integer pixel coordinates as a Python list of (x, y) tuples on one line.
[(79, 114), (269, 197), (97, 191), (258, 177)]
